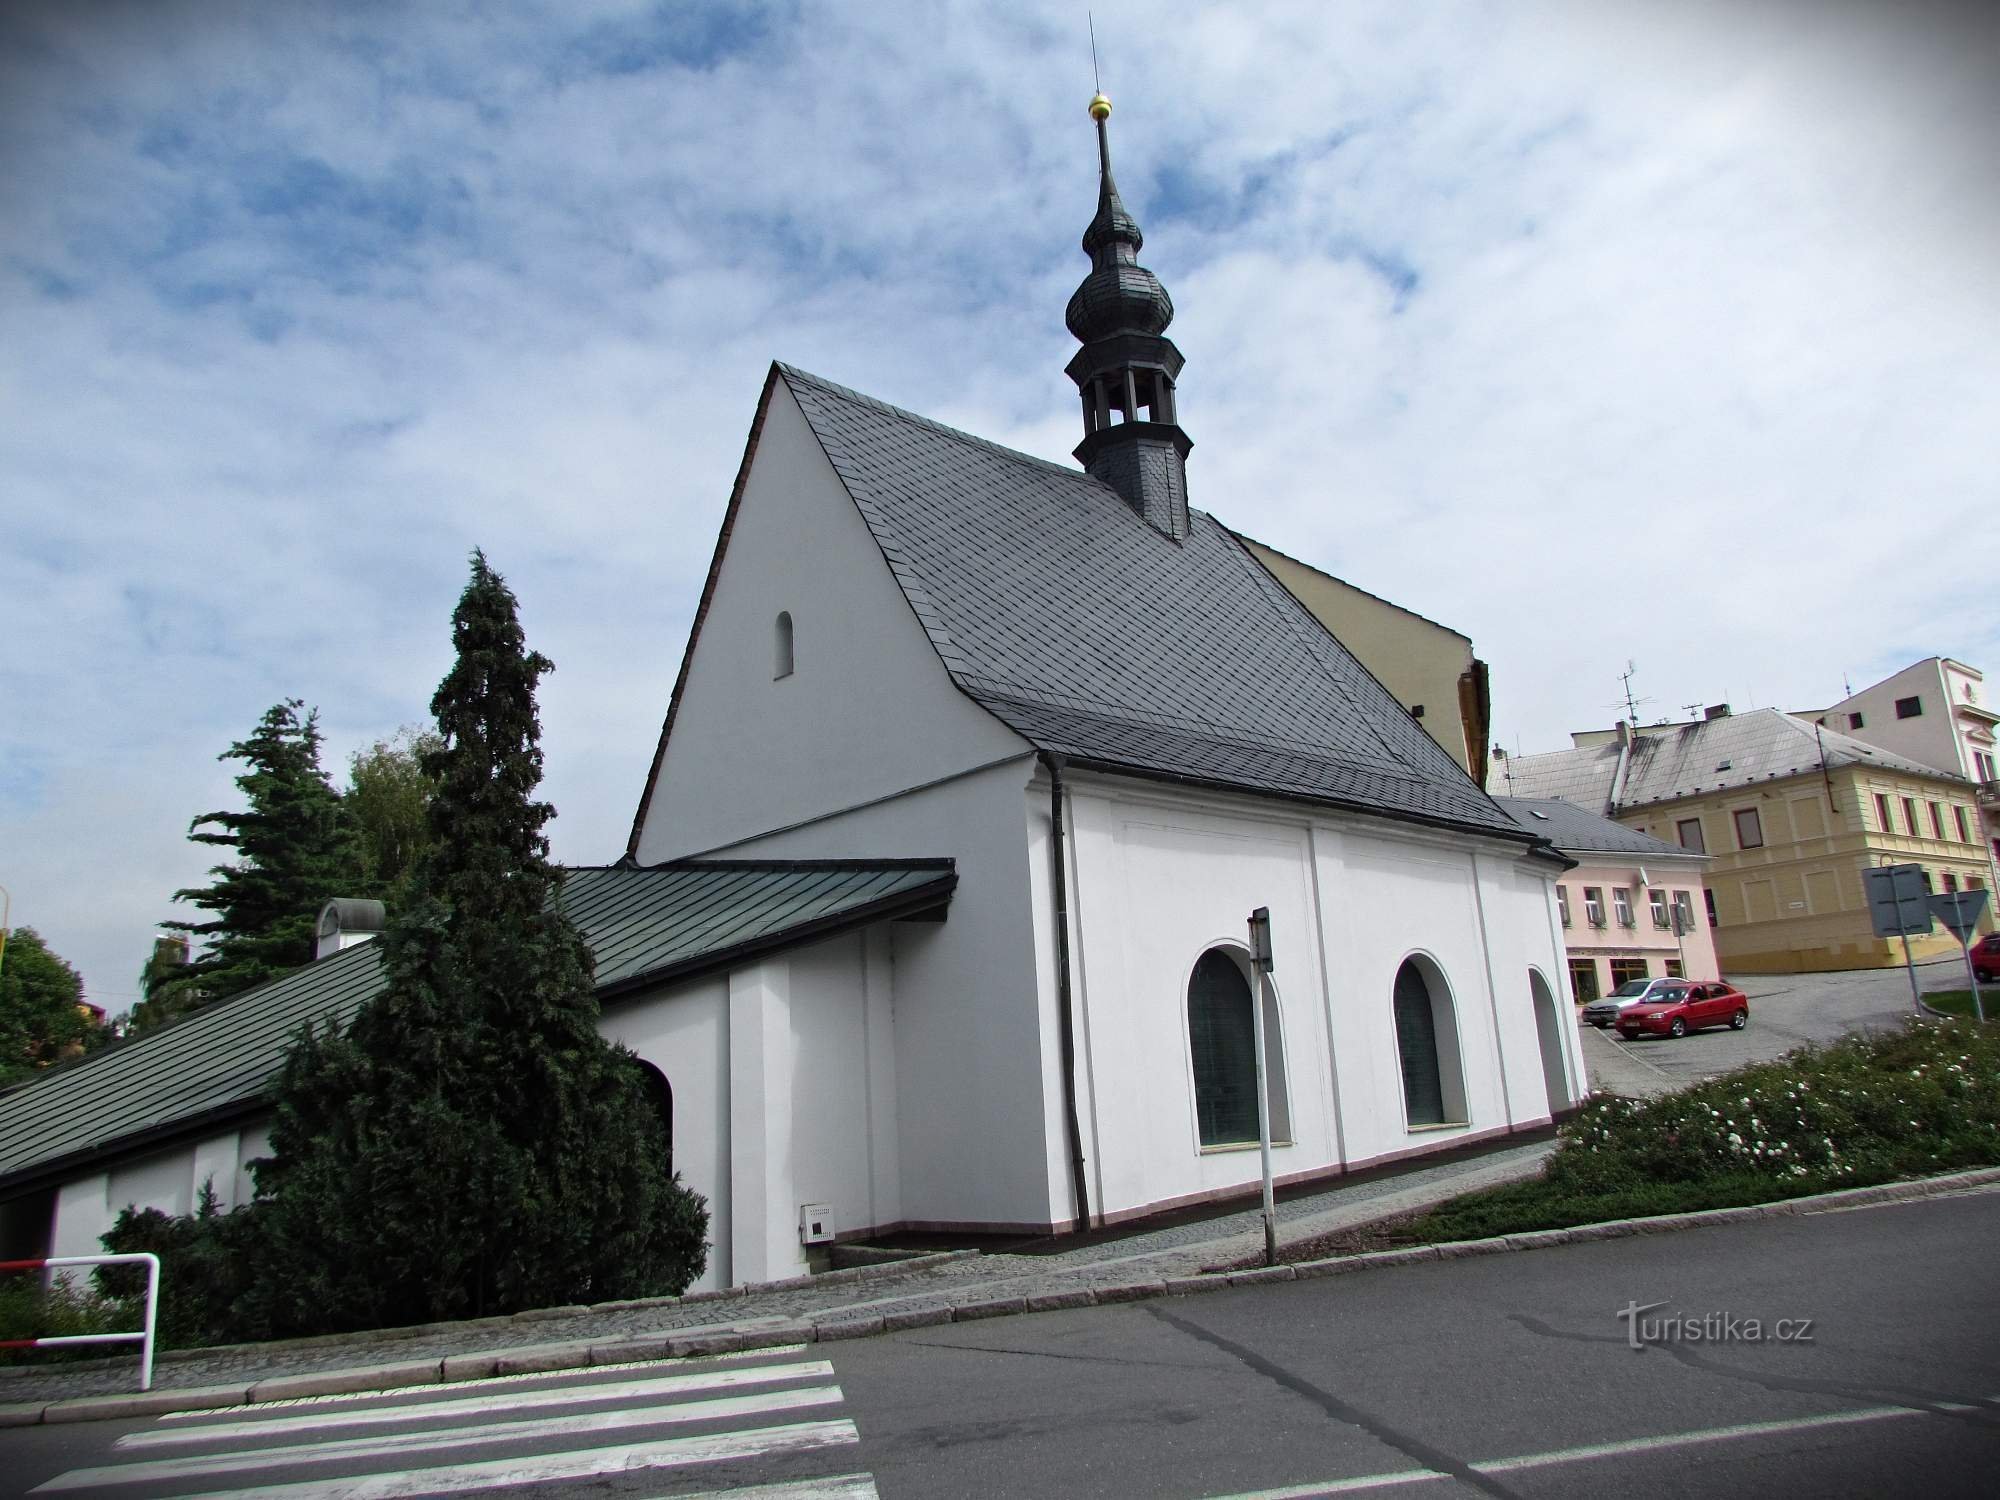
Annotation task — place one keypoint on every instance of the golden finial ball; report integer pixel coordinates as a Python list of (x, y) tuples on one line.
[(1100, 107)]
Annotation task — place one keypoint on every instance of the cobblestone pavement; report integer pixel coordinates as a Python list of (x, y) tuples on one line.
[(1177, 1251)]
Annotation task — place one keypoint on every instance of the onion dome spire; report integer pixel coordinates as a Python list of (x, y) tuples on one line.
[(1126, 368)]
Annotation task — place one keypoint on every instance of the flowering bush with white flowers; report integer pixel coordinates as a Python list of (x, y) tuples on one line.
[(1923, 1098)]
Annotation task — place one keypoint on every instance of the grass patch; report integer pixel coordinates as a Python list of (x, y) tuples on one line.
[(1866, 1109), (1959, 1002)]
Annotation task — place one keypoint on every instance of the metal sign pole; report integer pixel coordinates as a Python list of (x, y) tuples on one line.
[(1260, 962), (1909, 963)]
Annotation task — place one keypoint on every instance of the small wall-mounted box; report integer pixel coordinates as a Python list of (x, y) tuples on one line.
[(815, 1223)]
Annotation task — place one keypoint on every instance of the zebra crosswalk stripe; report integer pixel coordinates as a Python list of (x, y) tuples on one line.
[(426, 1411), (553, 1468), (391, 1445)]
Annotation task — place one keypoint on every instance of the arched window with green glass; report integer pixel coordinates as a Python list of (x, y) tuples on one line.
[(1427, 1046), (1222, 1042)]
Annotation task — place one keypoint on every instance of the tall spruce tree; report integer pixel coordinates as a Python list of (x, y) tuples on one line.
[(295, 849), (472, 1145)]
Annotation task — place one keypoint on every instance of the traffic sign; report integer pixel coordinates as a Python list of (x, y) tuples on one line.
[(1960, 911), (1898, 900)]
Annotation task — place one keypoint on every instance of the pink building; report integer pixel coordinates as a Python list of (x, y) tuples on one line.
[(1635, 907)]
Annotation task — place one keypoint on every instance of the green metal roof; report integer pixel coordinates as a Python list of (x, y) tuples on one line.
[(644, 927)]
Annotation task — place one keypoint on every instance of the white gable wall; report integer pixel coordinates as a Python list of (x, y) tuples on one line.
[(867, 712)]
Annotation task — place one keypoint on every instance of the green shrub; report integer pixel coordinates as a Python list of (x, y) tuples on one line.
[(207, 1261), (1924, 1098), (31, 1309)]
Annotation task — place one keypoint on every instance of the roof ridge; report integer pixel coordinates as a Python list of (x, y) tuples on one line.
[(862, 398)]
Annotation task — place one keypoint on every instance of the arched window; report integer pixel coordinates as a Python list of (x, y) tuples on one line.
[(662, 1094), (1548, 1035), (1223, 1041), (783, 664), (1427, 1043)]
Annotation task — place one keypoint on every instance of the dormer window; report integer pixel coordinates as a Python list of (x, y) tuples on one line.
[(782, 655)]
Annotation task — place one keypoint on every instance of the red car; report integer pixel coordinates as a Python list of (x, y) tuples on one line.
[(1986, 958), (1707, 1003)]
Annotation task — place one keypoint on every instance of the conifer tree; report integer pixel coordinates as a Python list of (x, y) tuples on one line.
[(472, 1145), (295, 849)]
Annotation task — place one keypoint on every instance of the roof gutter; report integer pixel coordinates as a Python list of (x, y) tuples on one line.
[(1065, 1022), (1513, 833)]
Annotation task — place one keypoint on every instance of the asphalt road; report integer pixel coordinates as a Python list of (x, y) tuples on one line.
[(1500, 1375), (1785, 1011)]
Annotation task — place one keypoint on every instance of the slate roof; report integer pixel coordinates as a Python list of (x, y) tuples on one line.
[(1577, 830), (644, 927), (1737, 750), (1057, 608)]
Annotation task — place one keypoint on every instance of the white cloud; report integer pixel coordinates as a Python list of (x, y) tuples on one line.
[(1593, 330)]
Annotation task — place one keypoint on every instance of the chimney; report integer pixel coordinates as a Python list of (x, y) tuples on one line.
[(1624, 733), (1716, 711)]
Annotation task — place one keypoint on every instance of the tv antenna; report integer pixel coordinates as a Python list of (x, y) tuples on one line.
[(1630, 703)]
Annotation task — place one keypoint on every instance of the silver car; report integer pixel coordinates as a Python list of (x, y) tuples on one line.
[(1633, 991)]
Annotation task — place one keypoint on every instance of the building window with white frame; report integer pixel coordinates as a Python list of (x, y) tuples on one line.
[(1562, 903), (1621, 900), (1658, 901), (1593, 905)]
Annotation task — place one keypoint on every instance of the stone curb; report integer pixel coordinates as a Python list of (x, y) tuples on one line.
[(924, 1312), (880, 1271)]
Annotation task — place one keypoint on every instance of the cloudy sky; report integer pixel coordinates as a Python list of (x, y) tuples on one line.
[(1599, 331)]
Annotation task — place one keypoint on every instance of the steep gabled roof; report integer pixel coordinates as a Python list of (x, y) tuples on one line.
[(1062, 612), (644, 927), (1712, 755)]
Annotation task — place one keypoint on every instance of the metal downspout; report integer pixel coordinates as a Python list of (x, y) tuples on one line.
[(1066, 1025)]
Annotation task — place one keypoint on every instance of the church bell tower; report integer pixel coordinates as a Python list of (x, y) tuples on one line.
[(1127, 367)]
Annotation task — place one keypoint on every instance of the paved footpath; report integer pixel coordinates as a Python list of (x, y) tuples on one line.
[(952, 1286)]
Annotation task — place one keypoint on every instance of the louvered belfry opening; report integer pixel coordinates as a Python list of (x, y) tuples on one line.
[(1127, 368)]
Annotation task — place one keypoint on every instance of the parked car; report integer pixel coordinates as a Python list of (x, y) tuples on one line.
[(1986, 958), (1709, 1003), (1631, 992)]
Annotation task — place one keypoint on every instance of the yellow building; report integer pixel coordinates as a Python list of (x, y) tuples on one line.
[(1428, 667), (1791, 814)]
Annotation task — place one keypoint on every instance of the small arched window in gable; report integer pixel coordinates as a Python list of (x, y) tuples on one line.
[(1427, 1046), (782, 666), (1222, 1041)]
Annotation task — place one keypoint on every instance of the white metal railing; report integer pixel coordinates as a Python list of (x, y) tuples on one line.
[(143, 1338)]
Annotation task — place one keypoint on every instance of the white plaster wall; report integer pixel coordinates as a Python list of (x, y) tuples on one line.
[(1159, 875), (684, 1032), (968, 1040), (843, 1097), (1154, 887), (168, 1180), (869, 710), (784, 1094)]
